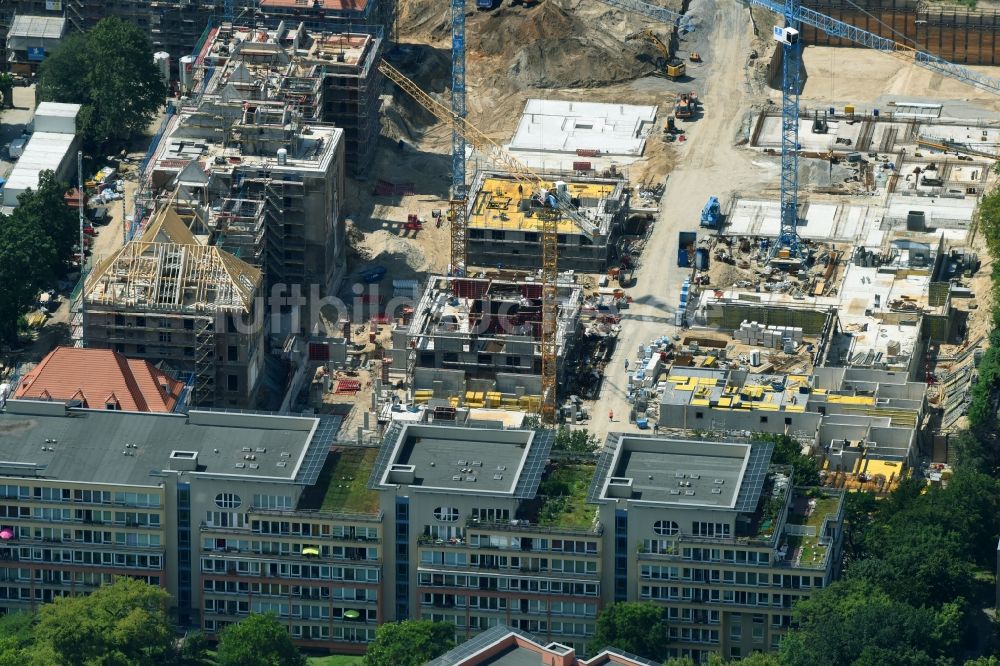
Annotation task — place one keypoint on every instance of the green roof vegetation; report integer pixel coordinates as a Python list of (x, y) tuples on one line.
[(345, 480), (813, 552), (564, 497)]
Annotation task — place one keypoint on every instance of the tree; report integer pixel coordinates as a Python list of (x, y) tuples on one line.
[(27, 260), (639, 628), (258, 640), (409, 643), (108, 70), (854, 623), (123, 624), (576, 440), (16, 636), (194, 649), (788, 451), (46, 208)]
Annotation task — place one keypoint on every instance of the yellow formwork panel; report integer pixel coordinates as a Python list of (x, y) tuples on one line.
[(497, 205), (850, 400)]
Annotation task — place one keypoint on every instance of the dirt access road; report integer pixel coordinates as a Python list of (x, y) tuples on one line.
[(708, 164)]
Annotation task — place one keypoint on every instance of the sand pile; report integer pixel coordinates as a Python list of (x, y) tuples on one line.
[(554, 45)]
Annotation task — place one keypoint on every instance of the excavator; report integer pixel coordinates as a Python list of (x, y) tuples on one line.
[(674, 68)]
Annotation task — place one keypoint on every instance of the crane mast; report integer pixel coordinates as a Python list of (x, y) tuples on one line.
[(549, 217)]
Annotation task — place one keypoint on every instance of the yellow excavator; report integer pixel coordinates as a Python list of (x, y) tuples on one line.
[(674, 68)]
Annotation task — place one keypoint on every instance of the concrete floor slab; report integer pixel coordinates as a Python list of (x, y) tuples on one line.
[(559, 126)]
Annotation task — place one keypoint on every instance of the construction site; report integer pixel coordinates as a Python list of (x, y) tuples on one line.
[(644, 221), (563, 208)]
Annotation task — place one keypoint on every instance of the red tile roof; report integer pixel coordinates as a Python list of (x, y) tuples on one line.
[(98, 377)]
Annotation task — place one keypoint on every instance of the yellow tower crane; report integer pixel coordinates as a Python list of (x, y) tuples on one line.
[(549, 218)]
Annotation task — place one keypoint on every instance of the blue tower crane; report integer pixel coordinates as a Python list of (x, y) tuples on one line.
[(457, 97), (788, 37)]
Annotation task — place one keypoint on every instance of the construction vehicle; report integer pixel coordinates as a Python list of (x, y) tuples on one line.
[(711, 214), (674, 68), (557, 206), (694, 56), (686, 106), (526, 3)]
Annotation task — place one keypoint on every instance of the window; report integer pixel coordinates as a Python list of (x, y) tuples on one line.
[(699, 415), (763, 419), (233, 382), (446, 514), (228, 501), (164, 336), (233, 355), (788, 420), (666, 528)]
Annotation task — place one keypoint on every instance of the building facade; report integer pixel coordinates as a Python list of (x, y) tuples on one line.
[(237, 512)]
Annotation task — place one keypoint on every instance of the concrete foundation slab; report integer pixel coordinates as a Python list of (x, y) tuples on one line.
[(560, 126)]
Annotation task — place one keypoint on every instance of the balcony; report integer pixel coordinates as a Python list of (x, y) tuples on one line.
[(527, 527)]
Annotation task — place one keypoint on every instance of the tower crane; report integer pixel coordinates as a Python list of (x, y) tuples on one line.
[(548, 216), (787, 36)]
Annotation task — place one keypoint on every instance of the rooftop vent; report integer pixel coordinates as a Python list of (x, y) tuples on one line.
[(498, 477), (183, 461), (401, 474), (679, 475), (241, 465), (719, 481), (689, 492), (716, 491)]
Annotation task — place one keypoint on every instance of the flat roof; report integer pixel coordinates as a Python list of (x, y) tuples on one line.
[(464, 459), (92, 445), (61, 109), (565, 127), (497, 203), (686, 472), (44, 150), (44, 27)]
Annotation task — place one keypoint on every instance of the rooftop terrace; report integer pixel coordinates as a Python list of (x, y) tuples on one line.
[(803, 528), (342, 486), (563, 495)]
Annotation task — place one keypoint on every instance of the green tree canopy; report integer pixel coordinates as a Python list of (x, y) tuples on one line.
[(854, 623), (45, 208), (258, 640), (109, 70), (409, 643), (123, 624), (27, 261), (639, 628)]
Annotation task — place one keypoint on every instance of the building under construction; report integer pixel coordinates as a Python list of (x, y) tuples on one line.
[(248, 160), (476, 342), (177, 26), (321, 76), (166, 297), (504, 226)]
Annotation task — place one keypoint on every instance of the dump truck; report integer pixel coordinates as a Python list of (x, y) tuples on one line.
[(685, 247), (687, 105)]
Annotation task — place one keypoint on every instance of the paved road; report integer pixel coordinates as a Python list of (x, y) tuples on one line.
[(709, 164)]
